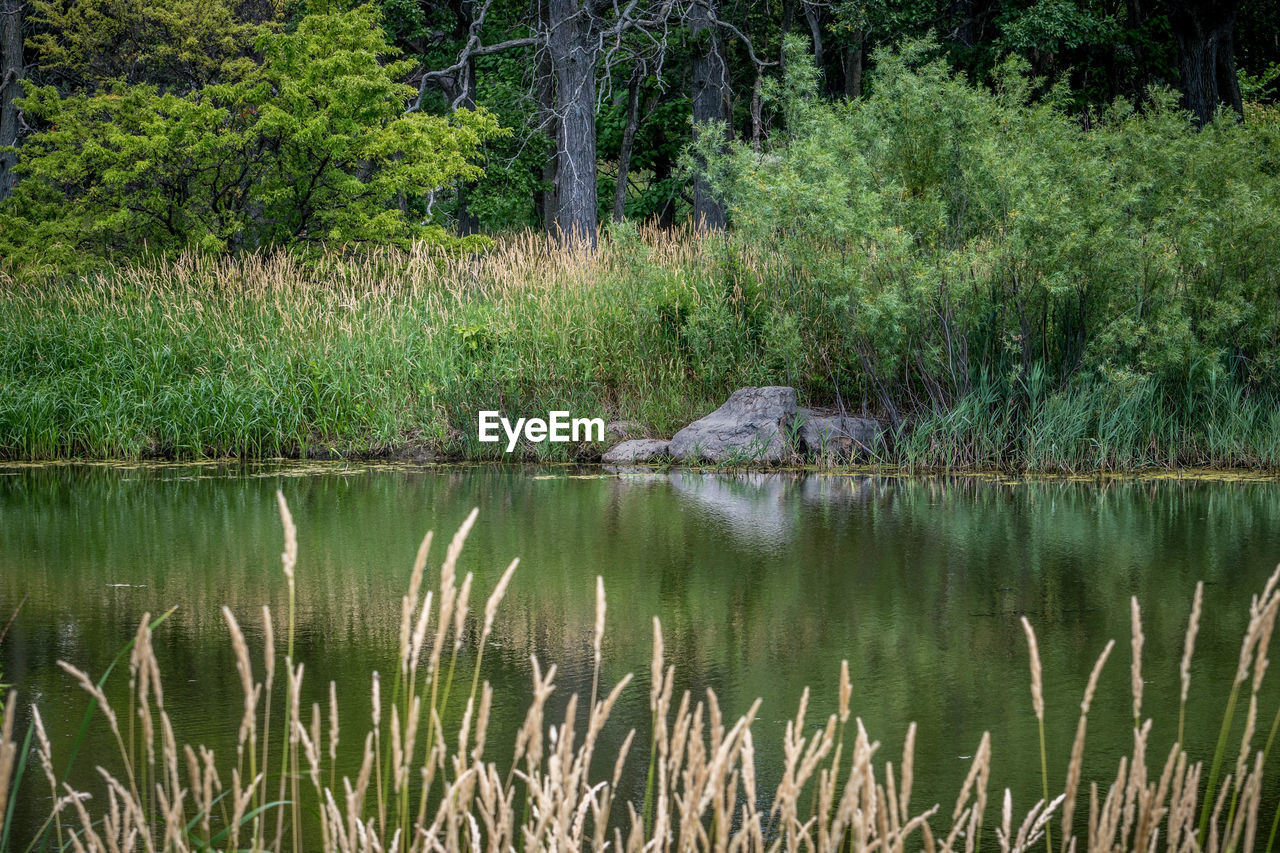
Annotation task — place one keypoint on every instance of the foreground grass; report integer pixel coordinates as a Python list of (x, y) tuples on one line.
[(425, 783), (394, 353)]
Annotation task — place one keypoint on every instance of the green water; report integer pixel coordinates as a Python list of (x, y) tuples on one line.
[(763, 584)]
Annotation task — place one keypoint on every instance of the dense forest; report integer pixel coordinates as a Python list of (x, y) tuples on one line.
[(242, 124), (1033, 234)]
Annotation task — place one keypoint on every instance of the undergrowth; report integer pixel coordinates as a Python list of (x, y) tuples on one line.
[(396, 352)]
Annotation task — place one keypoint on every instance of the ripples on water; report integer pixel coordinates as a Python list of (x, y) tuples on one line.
[(763, 583)]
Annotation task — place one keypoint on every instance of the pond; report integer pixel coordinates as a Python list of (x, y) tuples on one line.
[(763, 583)]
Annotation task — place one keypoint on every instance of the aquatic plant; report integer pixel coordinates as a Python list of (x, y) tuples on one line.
[(424, 781), (392, 351)]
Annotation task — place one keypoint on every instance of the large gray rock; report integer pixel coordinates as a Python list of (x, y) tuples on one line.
[(828, 435), (636, 450), (752, 426)]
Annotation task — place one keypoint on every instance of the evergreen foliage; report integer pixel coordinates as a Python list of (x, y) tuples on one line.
[(311, 145)]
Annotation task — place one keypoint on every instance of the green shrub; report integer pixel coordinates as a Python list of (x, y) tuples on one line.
[(944, 235), (310, 146)]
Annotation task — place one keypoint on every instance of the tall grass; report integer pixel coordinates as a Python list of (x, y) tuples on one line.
[(425, 781), (273, 355), (1090, 425), (394, 353)]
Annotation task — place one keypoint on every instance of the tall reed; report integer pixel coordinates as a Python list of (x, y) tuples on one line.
[(424, 781), (393, 352)]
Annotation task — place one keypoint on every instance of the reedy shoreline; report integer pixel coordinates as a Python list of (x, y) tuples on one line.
[(390, 354)]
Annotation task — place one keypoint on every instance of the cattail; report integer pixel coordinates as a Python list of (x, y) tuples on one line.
[(289, 558), (245, 671), (1135, 667), (419, 567), (1076, 765), (1189, 644), (1037, 682), (655, 667), (460, 611), (333, 723), (1246, 740), (268, 646), (1264, 642), (599, 628), (846, 691), (495, 598), (908, 770), (8, 749), (419, 635)]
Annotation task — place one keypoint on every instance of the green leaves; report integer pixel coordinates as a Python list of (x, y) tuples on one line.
[(313, 145), (962, 234), (176, 44)]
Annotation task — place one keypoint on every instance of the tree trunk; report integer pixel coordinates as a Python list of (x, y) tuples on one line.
[(710, 104), (853, 67), (964, 31), (468, 223), (815, 32), (1207, 56), (11, 72), (573, 59), (628, 142), (788, 22), (545, 92)]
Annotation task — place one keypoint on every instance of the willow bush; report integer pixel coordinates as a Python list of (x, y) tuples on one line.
[(953, 245)]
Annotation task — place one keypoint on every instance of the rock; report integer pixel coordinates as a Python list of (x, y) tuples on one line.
[(752, 426), (828, 435), (636, 450)]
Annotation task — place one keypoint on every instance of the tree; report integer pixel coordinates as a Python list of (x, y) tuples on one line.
[(573, 61), (313, 145), (710, 99), (175, 45), (1206, 47), (12, 68), (581, 48)]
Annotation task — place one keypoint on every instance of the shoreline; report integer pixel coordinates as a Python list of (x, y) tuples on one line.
[(597, 469)]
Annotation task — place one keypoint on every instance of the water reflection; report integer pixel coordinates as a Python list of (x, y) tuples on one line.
[(763, 583)]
